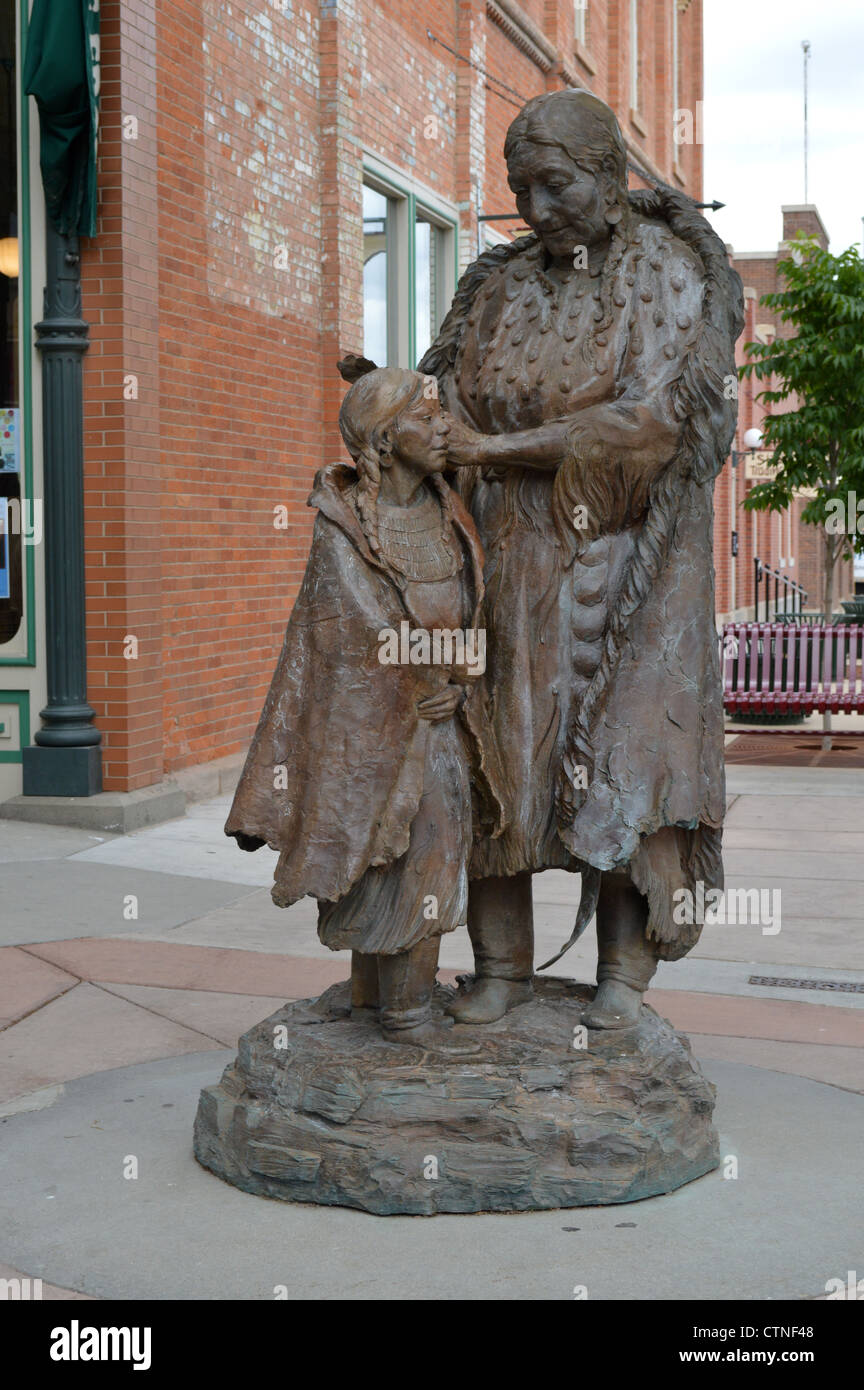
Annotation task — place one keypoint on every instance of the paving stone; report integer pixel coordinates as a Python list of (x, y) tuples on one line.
[(125, 961), (179, 1233), (86, 1030), (734, 1016), (25, 1286), (57, 899), (26, 983), (836, 1066), (221, 1016)]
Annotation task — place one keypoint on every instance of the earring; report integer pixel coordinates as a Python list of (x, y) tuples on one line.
[(614, 215)]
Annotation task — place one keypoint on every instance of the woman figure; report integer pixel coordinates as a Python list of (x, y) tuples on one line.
[(591, 369), (359, 769)]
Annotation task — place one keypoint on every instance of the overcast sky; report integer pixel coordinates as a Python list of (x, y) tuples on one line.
[(754, 122)]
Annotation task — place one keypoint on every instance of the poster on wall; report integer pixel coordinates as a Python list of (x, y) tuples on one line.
[(5, 578), (10, 435)]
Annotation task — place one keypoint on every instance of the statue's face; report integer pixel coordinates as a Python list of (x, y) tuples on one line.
[(562, 203), (420, 436)]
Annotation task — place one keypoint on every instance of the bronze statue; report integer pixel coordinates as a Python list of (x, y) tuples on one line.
[(585, 374), (359, 770), (581, 395), (591, 369)]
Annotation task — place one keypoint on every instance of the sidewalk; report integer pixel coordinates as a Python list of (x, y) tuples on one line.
[(129, 965)]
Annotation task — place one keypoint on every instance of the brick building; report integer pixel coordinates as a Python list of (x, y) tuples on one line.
[(280, 181), (782, 541)]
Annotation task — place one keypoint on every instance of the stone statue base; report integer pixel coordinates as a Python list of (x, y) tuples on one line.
[(318, 1108)]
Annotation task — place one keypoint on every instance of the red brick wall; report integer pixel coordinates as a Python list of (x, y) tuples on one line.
[(226, 276), (123, 471)]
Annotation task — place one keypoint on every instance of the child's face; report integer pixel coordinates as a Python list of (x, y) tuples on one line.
[(420, 437)]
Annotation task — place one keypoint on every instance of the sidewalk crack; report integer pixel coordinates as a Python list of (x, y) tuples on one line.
[(156, 1014)]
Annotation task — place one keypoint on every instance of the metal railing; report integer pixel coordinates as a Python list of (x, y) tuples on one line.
[(793, 595), (786, 669)]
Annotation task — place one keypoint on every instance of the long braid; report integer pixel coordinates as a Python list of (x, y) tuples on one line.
[(377, 397), (366, 504), (366, 499), (698, 398), (445, 494), (612, 267)]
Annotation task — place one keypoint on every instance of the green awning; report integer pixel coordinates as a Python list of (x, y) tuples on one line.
[(61, 70)]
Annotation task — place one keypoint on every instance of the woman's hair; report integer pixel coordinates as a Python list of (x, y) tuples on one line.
[(587, 130), (581, 125), (373, 404)]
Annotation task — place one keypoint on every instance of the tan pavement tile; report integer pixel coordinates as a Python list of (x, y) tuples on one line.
[(835, 1066), (777, 837), (758, 864), (27, 982), (806, 938), (121, 960), (797, 814), (83, 1031), (739, 1016), (48, 1292), (221, 1016)]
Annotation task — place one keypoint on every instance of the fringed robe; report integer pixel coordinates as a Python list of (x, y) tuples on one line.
[(603, 664)]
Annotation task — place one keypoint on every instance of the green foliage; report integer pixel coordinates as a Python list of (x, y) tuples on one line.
[(818, 443)]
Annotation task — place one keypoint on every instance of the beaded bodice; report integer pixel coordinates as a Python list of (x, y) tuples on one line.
[(414, 541)]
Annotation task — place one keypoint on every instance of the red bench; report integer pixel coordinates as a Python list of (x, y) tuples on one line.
[(787, 669)]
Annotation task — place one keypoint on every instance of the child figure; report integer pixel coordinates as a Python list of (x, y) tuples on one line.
[(358, 773)]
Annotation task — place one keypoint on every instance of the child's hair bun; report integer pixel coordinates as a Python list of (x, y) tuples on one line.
[(352, 367)]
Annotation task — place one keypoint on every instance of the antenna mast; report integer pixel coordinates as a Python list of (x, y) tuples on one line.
[(805, 44)]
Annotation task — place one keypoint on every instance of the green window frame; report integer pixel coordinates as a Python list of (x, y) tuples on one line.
[(20, 698), (416, 298)]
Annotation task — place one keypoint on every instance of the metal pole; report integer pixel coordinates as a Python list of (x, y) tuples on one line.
[(66, 760), (806, 47)]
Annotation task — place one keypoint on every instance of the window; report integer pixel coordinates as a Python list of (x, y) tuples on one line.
[(634, 55), (376, 295), (581, 18), (409, 249), (430, 280)]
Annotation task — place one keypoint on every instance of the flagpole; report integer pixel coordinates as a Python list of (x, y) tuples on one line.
[(806, 47)]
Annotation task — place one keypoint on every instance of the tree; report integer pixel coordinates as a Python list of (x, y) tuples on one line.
[(818, 443)]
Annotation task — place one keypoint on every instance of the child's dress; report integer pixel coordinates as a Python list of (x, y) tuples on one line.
[(425, 892), (369, 804)]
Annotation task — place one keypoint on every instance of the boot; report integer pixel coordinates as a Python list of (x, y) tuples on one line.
[(490, 999), (501, 928), (405, 984), (364, 985), (627, 959)]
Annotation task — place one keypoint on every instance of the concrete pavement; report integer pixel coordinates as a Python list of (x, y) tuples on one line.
[(129, 964)]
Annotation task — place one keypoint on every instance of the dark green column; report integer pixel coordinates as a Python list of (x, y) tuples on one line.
[(67, 758)]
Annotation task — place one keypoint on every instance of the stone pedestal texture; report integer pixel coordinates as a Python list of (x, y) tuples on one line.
[(319, 1108)]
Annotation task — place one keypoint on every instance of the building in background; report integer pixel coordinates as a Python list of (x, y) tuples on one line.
[(280, 181), (780, 541)]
